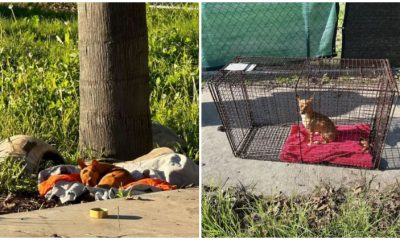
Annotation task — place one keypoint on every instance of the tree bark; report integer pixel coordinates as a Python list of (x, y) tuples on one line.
[(114, 91)]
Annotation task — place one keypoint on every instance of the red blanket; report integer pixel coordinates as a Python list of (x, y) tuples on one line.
[(345, 150)]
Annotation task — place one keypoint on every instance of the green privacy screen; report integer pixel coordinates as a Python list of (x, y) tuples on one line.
[(267, 29)]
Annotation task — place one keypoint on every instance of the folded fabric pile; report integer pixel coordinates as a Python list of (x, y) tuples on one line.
[(65, 183), (345, 150)]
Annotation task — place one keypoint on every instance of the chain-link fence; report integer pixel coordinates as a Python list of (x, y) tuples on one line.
[(272, 29), (371, 30), (361, 30)]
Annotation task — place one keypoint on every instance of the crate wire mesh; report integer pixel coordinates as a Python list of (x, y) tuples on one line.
[(258, 105)]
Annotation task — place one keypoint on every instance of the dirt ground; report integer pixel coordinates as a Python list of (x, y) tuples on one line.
[(12, 203)]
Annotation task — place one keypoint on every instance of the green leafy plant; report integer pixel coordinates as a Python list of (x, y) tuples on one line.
[(287, 80), (13, 178)]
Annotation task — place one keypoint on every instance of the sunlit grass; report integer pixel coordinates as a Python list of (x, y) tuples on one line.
[(39, 73), (327, 212)]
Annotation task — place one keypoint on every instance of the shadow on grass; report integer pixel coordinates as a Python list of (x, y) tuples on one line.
[(45, 11)]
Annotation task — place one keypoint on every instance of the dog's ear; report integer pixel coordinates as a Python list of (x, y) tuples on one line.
[(81, 164), (311, 98), (297, 97), (95, 163)]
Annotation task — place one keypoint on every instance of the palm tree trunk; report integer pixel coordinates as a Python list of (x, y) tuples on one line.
[(114, 91)]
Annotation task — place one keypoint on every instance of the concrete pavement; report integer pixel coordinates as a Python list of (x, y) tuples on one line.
[(221, 167), (162, 214)]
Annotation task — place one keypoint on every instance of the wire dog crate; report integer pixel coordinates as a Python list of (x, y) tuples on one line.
[(256, 100)]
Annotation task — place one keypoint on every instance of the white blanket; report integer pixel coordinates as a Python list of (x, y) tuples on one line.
[(173, 168), (71, 191)]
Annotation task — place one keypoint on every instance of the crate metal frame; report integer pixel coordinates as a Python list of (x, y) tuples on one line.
[(257, 105)]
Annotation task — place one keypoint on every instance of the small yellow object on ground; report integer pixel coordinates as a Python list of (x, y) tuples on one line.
[(98, 212)]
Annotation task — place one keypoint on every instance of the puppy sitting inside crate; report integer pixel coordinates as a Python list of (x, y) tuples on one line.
[(316, 122)]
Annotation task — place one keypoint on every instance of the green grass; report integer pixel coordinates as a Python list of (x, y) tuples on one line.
[(14, 179), (39, 73), (327, 212), (174, 101), (339, 32)]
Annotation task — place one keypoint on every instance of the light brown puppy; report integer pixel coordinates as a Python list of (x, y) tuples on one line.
[(366, 146), (316, 122), (103, 175)]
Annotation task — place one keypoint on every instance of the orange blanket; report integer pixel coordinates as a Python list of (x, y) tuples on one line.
[(154, 182), (48, 184)]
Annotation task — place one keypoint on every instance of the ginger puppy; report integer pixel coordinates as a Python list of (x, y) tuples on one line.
[(316, 122), (103, 175)]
